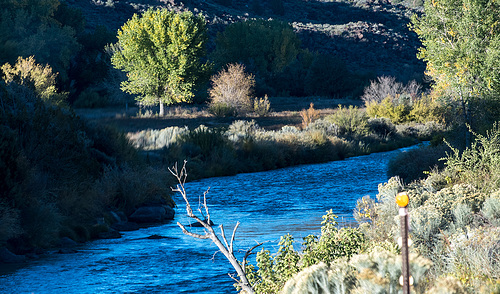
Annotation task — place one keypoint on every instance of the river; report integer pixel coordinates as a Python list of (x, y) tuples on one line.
[(268, 205)]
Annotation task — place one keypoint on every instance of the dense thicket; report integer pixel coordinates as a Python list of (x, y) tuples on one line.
[(61, 174)]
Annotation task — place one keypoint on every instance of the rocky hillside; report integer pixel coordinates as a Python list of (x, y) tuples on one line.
[(371, 36)]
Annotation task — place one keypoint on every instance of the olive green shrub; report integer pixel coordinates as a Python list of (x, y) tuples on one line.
[(350, 120), (478, 165)]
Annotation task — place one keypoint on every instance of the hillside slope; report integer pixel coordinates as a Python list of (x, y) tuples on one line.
[(371, 36)]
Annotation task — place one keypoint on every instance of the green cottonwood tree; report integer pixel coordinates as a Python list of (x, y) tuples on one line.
[(161, 51), (461, 45)]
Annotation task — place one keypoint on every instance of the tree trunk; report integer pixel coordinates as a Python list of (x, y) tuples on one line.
[(162, 109)]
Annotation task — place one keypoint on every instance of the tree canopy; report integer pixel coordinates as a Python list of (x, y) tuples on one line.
[(31, 27), (461, 45), (264, 46), (161, 52)]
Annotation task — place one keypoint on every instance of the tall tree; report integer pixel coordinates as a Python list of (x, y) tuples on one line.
[(161, 52), (461, 45), (266, 47)]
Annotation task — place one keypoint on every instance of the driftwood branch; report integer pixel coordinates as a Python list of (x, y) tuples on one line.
[(226, 248)]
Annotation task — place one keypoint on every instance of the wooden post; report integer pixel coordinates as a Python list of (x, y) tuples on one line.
[(402, 200)]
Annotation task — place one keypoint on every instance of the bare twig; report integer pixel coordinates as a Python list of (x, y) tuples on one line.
[(226, 248), (247, 254)]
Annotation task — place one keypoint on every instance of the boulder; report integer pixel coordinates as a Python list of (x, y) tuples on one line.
[(8, 257), (117, 216), (67, 242), (125, 226), (152, 214)]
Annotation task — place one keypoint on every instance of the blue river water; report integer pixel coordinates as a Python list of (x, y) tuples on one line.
[(267, 204)]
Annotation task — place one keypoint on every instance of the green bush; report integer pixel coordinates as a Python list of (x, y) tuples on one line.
[(222, 110), (261, 106), (351, 121), (90, 98), (478, 165), (273, 271), (397, 113), (381, 127)]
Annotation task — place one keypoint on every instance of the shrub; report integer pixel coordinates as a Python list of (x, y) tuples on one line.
[(397, 113), (333, 244), (491, 209), (428, 109), (325, 127), (89, 98), (204, 141), (423, 132), (222, 110), (242, 130), (351, 120), (261, 106), (375, 272), (309, 115), (479, 164), (232, 88), (156, 139), (408, 169), (388, 87), (26, 72), (381, 127)]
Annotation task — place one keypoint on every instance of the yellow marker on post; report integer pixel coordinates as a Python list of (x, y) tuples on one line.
[(402, 200)]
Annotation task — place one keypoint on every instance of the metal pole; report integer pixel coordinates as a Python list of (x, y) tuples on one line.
[(403, 213)]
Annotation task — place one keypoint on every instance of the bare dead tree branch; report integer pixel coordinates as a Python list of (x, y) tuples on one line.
[(226, 248), (248, 253)]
